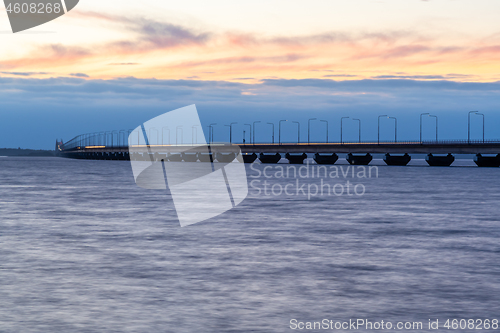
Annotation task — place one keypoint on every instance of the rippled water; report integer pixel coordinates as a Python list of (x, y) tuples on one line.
[(83, 249)]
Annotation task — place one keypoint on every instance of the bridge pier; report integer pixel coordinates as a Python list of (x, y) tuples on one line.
[(359, 159), (174, 157), (433, 160), (296, 159), (397, 160), (326, 159), (270, 158), (189, 157), (249, 158), (487, 161), (205, 157), (225, 158)]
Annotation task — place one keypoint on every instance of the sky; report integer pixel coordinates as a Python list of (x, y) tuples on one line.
[(114, 64)]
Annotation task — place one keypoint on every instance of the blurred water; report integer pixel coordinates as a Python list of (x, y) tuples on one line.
[(83, 249)]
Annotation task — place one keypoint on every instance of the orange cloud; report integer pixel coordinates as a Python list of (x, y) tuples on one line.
[(168, 51)]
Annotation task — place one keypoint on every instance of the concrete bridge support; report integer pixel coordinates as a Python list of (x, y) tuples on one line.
[(296, 159), (269, 158), (397, 160), (225, 158), (189, 157), (249, 158), (359, 159), (487, 161), (175, 157), (205, 157), (326, 159), (434, 160)]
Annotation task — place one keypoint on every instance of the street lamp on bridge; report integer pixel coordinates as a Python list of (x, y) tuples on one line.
[(194, 135), (255, 122), (326, 121), (150, 136), (480, 114), (124, 137), (162, 132), (436, 125), (428, 114), (211, 131), (341, 125), (395, 128), (378, 130), (309, 130), (231, 131), (468, 124), (249, 133), (273, 131), (298, 131), (177, 134), (113, 136), (279, 130), (359, 129)]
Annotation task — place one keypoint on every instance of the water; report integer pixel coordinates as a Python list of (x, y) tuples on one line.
[(83, 249)]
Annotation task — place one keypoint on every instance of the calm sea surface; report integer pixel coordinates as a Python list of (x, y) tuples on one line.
[(83, 249)]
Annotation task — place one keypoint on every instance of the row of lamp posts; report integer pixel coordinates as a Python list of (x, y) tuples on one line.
[(359, 128), (101, 138)]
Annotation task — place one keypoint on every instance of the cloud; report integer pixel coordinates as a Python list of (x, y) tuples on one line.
[(79, 75), (25, 73), (174, 51), (415, 77), (67, 106), (49, 55), (425, 77), (340, 75), (124, 63)]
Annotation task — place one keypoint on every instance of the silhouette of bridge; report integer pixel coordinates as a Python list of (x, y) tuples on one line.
[(114, 145)]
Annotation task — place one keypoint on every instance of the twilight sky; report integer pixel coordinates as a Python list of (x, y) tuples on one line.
[(111, 64)]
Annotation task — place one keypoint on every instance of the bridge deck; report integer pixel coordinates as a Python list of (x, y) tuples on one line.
[(374, 148)]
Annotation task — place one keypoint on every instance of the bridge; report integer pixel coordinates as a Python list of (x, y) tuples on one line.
[(115, 146)]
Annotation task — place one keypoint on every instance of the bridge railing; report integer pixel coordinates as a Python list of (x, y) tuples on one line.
[(106, 139), (119, 138)]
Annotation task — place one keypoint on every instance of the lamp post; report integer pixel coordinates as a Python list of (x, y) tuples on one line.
[(117, 137), (211, 131), (436, 125), (279, 131), (177, 135), (480, 114), (255, 122), (273, 131), (194, 135), (395, 128), (468, 125), (341, 122), (231, 131), (298, 131), (129, 136), (325, 121), (105, 137), (309, 130), (378, 131), (163, 131), (124, 137), (249, 133), (359, 129), (157, 134), (138, 137), (422, 114)]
